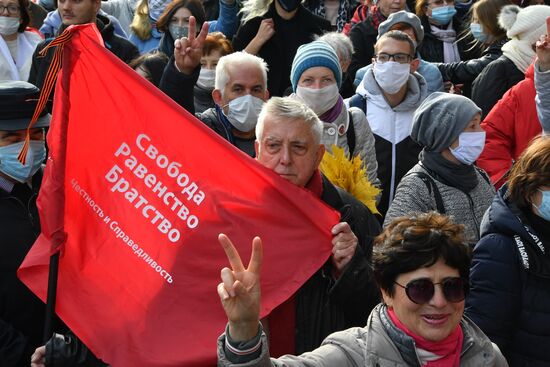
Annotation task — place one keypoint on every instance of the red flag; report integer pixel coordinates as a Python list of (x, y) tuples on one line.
[(136, 191)]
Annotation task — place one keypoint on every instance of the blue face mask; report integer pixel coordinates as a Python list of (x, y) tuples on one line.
[(443, 14), (477, 32), (10, 165), (544, 207)]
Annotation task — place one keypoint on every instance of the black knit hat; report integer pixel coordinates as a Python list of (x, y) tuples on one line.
[(17, 103)]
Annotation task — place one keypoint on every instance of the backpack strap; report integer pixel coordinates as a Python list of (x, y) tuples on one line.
[(483, 174), (432, 188), (350, 135), (358, 101)]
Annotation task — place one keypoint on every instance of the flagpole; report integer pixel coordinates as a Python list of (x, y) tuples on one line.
[(52, 292)]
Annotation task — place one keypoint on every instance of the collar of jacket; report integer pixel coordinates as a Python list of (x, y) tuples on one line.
[(417, 91), (103, 23)]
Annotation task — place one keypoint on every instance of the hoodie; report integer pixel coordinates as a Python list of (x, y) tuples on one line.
[(396, 152)]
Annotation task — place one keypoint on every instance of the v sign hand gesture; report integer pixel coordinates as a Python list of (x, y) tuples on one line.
[(240, 290), (188, 50)]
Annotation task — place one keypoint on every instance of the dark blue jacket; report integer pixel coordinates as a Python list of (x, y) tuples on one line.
[(510, 278)]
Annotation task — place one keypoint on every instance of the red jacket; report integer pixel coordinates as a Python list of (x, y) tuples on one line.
[(510, 126)]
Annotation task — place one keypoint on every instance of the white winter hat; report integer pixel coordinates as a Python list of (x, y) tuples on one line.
[(526, 24)]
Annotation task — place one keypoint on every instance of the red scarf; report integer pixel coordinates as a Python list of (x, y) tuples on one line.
[(282, 320), (449, 348)]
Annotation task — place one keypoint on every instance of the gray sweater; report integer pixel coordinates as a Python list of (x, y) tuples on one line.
[(412, 196)]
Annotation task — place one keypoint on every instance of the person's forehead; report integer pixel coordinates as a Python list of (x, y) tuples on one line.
[(182, 12), (286, 129), (389, 2), (245, 73), (391, 45), (317, 71), (405, 28)]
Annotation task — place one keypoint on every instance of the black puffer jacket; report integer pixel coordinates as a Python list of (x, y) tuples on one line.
[(363, 37), (431, 49), (280, 49), (495, 80), (466, 71), (323, 305), (21, 312), (510, 278)]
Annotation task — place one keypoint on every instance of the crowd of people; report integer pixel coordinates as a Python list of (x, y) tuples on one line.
[(445, 103)]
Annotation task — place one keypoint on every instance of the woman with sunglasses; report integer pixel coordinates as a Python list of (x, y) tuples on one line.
[(510, 272), (421, 264)]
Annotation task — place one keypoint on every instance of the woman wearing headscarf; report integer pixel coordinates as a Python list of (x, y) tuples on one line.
[(445, 179)]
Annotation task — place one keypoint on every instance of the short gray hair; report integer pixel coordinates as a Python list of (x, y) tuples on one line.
[(289, 108), (340, 43), (237, 58)]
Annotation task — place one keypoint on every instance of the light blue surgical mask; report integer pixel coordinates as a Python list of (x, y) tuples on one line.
[(443, 14), (477, 32), (544, 207), (10, 165)]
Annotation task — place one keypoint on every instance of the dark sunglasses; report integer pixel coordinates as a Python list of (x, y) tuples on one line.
[(422, 290)]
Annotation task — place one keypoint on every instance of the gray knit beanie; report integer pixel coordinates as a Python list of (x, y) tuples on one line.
[(440, 119)]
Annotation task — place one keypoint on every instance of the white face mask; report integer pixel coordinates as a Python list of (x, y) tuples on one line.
[(243, 112), (8, 25), (206, 78), (470, 146), (319, 100), (391, 75)]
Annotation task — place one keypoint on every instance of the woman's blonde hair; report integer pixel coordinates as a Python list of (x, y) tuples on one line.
[(141, 26), (254, 8)]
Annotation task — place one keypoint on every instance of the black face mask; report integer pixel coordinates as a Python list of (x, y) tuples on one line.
[(289, 5)]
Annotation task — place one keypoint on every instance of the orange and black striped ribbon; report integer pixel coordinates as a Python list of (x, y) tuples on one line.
[(49, 82)]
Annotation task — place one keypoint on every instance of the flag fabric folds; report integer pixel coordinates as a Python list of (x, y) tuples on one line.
[(135, 193)]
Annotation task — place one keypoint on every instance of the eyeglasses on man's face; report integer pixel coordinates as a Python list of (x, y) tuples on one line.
[(401, 58)]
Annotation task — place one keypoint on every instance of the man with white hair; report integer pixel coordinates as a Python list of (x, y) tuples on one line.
[(339, 294), (239, 93), (240, 90)]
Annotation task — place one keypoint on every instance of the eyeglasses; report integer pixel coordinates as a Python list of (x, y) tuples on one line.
[(11, 9), (421, 291), (400, 57)]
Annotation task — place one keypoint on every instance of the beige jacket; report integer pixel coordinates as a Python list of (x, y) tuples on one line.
[(373, 346)]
